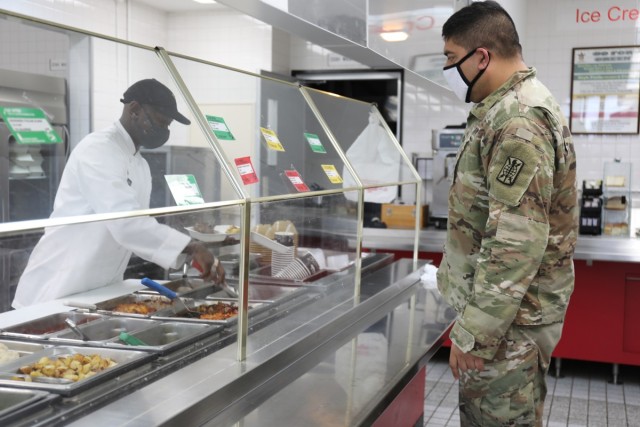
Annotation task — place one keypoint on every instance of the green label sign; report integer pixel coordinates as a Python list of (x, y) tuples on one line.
[(29, 125), (184, 189), (219, 128), (314, 143)]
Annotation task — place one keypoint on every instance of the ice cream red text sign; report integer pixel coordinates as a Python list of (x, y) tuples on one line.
[(611, 14)]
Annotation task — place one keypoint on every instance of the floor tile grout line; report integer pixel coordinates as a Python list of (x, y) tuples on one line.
[(555, 384), (583, 391), (570, 399), (588, 396), (444, 397), (444, 372), (624, 402)]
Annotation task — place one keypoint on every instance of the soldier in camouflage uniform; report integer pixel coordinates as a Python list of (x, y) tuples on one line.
[(513, 220)]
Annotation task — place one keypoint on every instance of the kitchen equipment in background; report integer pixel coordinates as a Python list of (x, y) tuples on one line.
[(617, 198), (591, 207), (423, 162), (30, 173), (403, 216), (445, 143)]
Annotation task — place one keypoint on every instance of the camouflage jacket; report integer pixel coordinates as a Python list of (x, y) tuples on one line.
[(513, 217)]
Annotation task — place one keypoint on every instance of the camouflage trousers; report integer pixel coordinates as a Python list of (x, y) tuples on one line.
[(511, 389)]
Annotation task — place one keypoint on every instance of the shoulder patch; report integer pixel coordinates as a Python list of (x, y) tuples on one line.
[(510, 170)]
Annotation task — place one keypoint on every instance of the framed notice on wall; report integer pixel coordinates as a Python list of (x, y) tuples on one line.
[(605, 90)]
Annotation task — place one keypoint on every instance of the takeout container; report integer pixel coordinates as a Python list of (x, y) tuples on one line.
[(125, 360)]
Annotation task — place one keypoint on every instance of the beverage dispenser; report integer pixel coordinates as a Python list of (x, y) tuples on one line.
[(445, 143)]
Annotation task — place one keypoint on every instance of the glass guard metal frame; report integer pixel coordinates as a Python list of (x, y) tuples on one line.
[(244, 199)]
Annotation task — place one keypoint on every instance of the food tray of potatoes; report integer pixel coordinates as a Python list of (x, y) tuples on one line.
[(78, 368)]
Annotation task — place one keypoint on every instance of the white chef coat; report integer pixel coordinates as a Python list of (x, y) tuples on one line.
[(104, 174)]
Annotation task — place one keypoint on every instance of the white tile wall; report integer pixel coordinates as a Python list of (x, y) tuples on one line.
[(31, 51), (547, 28), (91, 15), (226, 37), (549, 51)]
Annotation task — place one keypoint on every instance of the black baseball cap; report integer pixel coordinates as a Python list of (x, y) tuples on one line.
[(154, 93)]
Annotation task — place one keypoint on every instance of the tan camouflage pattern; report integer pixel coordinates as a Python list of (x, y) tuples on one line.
[(513, 217), (511, 390)]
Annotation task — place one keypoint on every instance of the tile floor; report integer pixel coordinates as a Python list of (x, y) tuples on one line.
[(582, 397)]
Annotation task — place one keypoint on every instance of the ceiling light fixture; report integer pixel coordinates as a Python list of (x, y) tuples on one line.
[(205, 1), (394, 36)]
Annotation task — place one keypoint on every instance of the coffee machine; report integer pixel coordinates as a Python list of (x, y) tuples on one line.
[(445, 143)]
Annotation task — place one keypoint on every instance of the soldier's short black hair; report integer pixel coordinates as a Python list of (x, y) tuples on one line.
[(484, 24)]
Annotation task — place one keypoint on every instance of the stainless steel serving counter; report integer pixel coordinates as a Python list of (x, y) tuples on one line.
[(322, 365), (596, 248), (336, 358)]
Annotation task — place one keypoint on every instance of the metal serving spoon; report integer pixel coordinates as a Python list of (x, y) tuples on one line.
[(75, 329)]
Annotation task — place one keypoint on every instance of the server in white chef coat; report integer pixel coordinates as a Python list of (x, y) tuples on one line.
[(106, 173)]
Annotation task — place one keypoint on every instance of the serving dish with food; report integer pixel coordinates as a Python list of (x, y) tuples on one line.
[(222, 311), (44, 327), (140, 305), (71, 368), (11, 350)]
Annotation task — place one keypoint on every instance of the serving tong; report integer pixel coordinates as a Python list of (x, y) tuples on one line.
[(224, 285), (163, 290)]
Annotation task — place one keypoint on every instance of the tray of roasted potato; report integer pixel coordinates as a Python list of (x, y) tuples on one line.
[(48, 326), (69, 369)]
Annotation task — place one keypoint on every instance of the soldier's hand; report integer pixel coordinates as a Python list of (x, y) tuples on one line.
[(460, 362)]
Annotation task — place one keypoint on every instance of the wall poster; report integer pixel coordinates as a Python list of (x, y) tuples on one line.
[(605, 90)]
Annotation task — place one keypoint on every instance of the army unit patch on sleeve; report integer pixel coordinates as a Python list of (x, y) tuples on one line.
[(510, 170)]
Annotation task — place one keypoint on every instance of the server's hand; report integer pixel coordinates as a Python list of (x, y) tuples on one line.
[(204, 261)]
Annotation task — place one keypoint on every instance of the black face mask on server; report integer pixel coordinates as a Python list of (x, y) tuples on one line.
[(151, 134)]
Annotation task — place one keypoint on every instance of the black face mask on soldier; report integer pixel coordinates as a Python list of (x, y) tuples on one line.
[(153, 136)]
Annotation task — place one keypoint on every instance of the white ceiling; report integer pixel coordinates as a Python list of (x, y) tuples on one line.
[(180, 5)]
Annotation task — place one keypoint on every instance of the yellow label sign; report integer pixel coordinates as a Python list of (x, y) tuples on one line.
[(272, 139), (332, 174)]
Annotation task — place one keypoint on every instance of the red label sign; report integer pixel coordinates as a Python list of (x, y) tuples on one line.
[(246, 170), (296, 180)]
